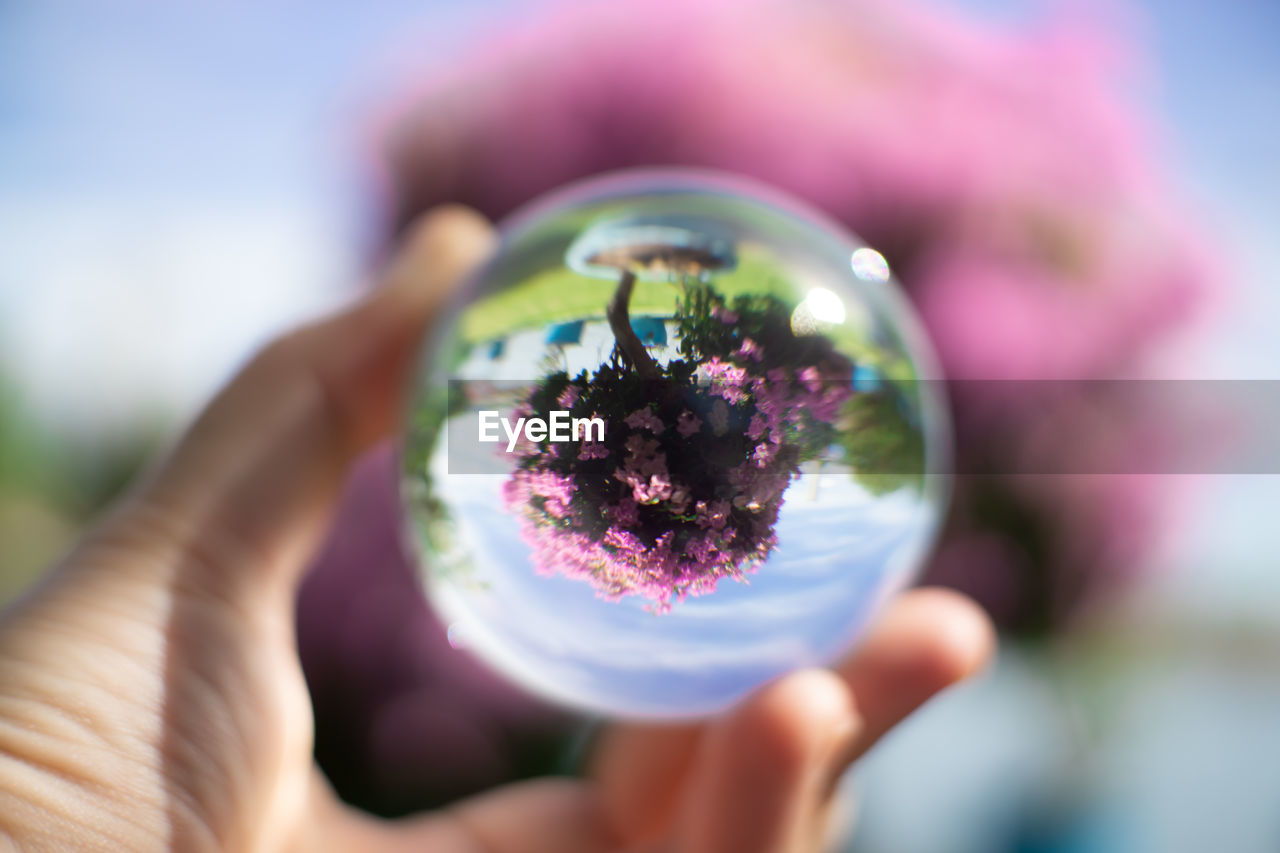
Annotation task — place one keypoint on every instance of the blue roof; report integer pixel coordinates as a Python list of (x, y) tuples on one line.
[(866, 378), (651, 331), (562, 334)]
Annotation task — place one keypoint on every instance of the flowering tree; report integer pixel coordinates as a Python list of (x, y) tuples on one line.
[(686, 487)]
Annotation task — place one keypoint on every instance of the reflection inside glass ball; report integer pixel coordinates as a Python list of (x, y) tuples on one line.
[(679, 437)]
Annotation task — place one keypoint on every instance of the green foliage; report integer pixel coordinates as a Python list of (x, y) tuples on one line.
[(885, 451)]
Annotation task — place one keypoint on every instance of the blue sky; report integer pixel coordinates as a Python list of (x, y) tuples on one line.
[(202, 159), (165, 90), (178, 181)]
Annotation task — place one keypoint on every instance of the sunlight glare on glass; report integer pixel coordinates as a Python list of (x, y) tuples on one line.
[(825, 306), (820, 309), (869, 265)]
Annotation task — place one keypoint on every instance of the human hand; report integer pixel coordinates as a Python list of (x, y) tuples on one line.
[(151, 696)]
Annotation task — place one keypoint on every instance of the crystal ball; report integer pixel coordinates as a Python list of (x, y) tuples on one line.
[(680, 435)]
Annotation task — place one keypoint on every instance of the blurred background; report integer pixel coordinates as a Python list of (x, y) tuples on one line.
[(180, 181)]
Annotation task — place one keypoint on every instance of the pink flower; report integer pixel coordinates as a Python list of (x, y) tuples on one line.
[(626, 512), (639, 447), (647, 419), (812, 379), (679, 500), (713, 515), (568, 396), (724, 315), (727, 379), (688, 423), (657, 488), (750, 350), (764, 453), (623, 540), (593, 450)]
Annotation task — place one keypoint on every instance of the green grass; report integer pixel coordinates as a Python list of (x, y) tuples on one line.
[(559, 295), (556, 296)]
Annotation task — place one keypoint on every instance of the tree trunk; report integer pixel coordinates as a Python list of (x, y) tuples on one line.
[(619, 315)]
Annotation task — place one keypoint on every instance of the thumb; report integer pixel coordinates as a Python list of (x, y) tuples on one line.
[(251, 485)]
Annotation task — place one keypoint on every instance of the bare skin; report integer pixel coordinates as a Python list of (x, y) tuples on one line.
[(151, 696)]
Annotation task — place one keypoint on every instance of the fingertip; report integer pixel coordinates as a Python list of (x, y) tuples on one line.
[(926, 641), (763, 769), (450, 229), (956, 639), (794, 724), (437, 250)]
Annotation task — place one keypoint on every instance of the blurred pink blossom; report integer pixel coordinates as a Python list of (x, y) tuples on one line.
[(1001, 170)]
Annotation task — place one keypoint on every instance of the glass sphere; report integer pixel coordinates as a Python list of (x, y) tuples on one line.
[(679, 436)]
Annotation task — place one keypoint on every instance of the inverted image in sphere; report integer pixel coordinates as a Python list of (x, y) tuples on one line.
[(679, 436)]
